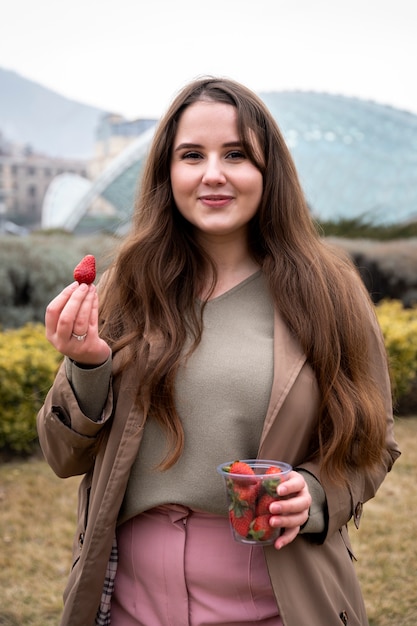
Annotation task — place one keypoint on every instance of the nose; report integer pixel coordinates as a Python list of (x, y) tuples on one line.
[(214, 173)]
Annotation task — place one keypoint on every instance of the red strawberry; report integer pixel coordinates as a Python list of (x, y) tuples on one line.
[(242, 492), (262, 506), (273, 470), (260, 528), (85, 272), (272, 484), (245, 494), (239, 467), (241, 520)]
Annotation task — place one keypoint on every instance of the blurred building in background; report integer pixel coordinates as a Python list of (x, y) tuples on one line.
[(105, 201), (113, 135), (356, 159), (24, 178)]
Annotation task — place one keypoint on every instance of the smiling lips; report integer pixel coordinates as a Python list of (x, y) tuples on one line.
[(215, 201)]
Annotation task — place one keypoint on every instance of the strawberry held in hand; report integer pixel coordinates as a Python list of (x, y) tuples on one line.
[(251, 488), (85, 272)]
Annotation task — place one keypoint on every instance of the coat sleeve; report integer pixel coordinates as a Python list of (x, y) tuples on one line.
[(90, 385), (345, 503), (68, 437)]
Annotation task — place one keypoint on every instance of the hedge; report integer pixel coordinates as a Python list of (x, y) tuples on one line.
[(28, 364), (34, 269), (399, 327)]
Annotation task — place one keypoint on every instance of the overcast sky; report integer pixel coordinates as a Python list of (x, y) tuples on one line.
[(132, 56)]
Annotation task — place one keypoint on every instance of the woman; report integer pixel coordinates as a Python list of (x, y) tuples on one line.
[(226, 329)]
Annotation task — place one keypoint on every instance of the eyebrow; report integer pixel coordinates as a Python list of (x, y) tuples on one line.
[(189, 146)]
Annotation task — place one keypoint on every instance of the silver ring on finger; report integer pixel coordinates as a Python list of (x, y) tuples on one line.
[(79, 337)]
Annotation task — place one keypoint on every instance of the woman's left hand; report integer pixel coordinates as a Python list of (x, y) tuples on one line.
[(291, 511)]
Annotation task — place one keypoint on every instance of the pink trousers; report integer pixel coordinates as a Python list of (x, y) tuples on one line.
[(182, 568)]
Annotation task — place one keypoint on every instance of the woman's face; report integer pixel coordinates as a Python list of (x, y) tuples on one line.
[(215, 185)]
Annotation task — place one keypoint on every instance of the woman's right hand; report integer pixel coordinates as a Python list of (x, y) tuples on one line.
[(74, 313)]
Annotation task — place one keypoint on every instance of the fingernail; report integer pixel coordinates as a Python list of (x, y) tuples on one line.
[(275, 508)]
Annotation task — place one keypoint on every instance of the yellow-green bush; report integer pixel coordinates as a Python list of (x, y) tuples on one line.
[(399, 327), (28, 364)]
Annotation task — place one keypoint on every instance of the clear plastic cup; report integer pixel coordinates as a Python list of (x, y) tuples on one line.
[(249, 496)]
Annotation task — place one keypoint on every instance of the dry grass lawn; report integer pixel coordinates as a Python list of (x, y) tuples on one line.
[(386, 543), (37, 516)]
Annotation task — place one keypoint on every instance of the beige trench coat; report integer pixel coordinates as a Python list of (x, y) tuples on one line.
[(315, 583)]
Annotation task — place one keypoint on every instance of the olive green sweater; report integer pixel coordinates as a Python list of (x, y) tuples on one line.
[(222, 395)]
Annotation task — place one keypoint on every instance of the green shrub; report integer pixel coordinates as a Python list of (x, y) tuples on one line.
[(364, 227), (28, 364), (399, 327)]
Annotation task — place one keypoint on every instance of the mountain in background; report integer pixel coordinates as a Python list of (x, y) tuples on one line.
[(49, 123)]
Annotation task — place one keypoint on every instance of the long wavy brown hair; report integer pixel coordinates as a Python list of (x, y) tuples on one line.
[(148, 302)]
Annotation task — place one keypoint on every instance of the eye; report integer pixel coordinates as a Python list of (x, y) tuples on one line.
[(191, 155), (236, 155)]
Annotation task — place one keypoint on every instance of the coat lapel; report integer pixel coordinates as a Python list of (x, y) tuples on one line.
[(289, 358)]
